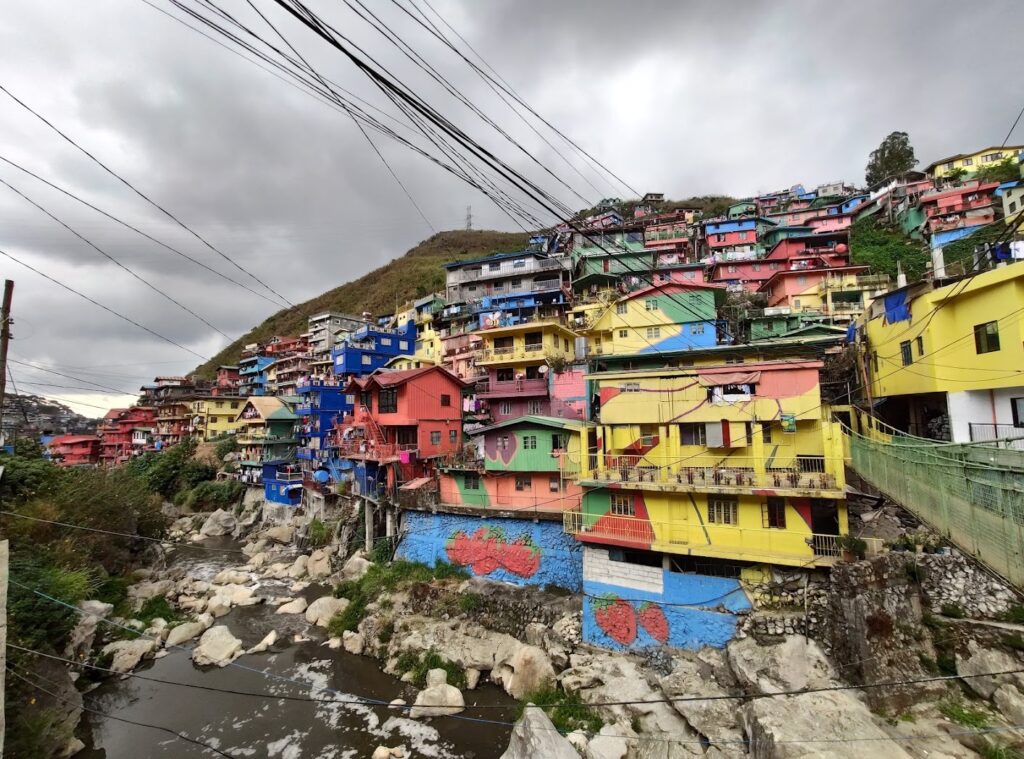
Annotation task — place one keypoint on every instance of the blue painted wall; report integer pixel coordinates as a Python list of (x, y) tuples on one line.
[(508, 550), (348, 357), (686, 339), (626, 619)]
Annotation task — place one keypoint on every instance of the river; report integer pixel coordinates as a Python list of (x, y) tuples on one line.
[(267, 725)]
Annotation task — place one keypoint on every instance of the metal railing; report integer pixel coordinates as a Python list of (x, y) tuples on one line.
[(986, 433), (512, 387), (710, 539), (370, 450), (720, 473)]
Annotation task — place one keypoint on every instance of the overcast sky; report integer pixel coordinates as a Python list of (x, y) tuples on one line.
[(682, 98)]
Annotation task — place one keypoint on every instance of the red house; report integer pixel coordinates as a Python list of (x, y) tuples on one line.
[(969, 205), (74, 450), (827, 250), (227, 381), (403, 416), (116, 433)]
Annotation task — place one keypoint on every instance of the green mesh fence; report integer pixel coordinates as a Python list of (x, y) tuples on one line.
[(973, 494)]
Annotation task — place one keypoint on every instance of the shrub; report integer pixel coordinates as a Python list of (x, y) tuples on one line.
[(317, 534), (469, 602), (347, 619), (953, 611), (1014, 614), (956, 712), (211, 495), (407, 661), (387, 632), (37, 622), (998, 751), (433, 660), (1014, 641), (225, 446), (154, 607), (566, 711)]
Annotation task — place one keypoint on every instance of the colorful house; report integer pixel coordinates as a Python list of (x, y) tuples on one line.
[(371, 346), (227, 381), (842, 292), (266, 433), (956, 213), (74, 450), (971, 162), (215, 416), (945, 362), (252, 373)]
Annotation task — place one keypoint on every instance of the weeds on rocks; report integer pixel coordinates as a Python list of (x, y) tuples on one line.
[(419, 666), (957, 712), (566, 711)]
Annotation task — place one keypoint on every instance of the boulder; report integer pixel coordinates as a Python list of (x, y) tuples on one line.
[(157, 629), (794, 664), (74, 746), (467, 644), (257, 560), (143, 591), (128, 653), (438, 699), (231, 577), (218, 606), (535, 736), (184, 632), (383, 752), (832, 723), (979, 660), (396, 703), (235, 595), (1010, 703), (472, 678), (96, 609), (217, 646), (218, 523), (323, 609), (83, 635), (282, 533), (714, 718), (251, 549), (319, 565), (353, 642), (298, 568), (355, 567), (612, 742), (528, 670), (263, 645), (296, 606), (298, 586)]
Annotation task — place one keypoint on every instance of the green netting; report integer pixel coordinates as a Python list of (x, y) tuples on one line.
[(973, 494)]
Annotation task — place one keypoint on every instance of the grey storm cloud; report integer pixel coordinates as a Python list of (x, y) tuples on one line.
[(683, 98)]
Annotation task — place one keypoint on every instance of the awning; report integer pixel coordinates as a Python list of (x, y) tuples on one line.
[(729, 378), (415, 484)]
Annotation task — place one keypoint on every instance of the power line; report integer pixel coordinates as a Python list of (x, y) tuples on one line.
[(1012, 127), (71, 376), (105, 308), (138, 192)]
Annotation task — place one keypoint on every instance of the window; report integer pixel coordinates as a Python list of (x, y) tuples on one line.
[(557, 442), (515, 283), (651, 304), (991, 157), (494, 266), (1013, 206), (1017, 407), (453, 436), (986, 337), (435, 437), (950, 165), (385, 341), (503, 442), (530, 442), (796, 303), (505, 375), (696, 329), (523, 482), (505, 409), (565, 344), (367, 360), (366, 400), (920, 346), (519, 263), (766, 432), (621, 308), (648, 435), (446, 400), (774, 265), (906, 354), (403, 345), (653, 332), (622, 505), (623, 334), (554, 484), (533, 407), (722, 509), (471, 481), (773, 514), (732, 269), (968, 161), (471, 288), (692, 433), (757, 267), (387, 402), (629, 387)]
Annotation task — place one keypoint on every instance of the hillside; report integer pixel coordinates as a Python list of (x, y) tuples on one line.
[(413, 275)]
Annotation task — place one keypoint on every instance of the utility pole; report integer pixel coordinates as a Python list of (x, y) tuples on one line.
[(3, 634), (469, 217), (5, 338)]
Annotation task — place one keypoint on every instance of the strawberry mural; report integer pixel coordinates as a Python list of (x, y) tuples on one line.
[(652, 619), (487, 550), (616, 617)]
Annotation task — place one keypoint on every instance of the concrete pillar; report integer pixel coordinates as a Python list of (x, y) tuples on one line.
[(390, 515), (758, 453), (368, 519), (3, 636)]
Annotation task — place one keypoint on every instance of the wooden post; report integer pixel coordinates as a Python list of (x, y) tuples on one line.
[(5, 338), (368, 518)]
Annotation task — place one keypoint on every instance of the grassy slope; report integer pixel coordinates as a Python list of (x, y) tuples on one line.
[(417, 272)]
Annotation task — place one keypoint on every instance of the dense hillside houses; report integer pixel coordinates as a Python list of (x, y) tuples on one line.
[(642, 405)]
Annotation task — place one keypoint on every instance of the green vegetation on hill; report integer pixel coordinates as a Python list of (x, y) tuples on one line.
[(413, 275), (881, 247)]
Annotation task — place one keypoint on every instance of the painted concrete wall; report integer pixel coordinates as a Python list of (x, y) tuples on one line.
[(519, 551), (981, 407), (632, 607)]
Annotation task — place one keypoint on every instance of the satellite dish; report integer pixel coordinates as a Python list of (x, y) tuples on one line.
[(320, 476), (542, 369)]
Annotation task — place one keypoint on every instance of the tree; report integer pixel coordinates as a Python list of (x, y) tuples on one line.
[(895, 155), (956, 175), (1006, 170)]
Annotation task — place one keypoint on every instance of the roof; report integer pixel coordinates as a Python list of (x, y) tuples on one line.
[(537, 421), (781, 364), (388, 378), (264, 404), (279, 414), (495, 257), (114, 413), (958, 156), (718, 290), (71, 439)]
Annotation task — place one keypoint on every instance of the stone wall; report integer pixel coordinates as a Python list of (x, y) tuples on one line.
[(955, 580), (519, 551)]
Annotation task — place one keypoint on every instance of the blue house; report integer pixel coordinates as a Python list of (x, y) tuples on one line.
[(371, 347), (282, 482), (252, 375), (321, 404)]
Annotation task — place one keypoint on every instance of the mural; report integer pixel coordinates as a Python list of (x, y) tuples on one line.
[(519, 551)]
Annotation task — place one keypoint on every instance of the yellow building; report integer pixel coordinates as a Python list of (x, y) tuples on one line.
[(216, 416), (947, 361), (971, 162), (734, 462), (1013, 203), (530, 343)]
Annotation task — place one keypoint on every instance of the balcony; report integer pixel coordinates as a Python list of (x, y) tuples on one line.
[(522, 388), (716, 540), (860, 282), (711, 473), (365, 449), (1011, 436)]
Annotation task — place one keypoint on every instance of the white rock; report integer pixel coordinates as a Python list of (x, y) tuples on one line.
[(1010, 703), (579, 740), (794, 664), (296, 606), (381, 752), (610, 743), (218, 523), (128, 653), (74, 746), (257, 560), (535, 736), (319, 564), (438, 698), (353, 642), (334, 643), (231, 577), (96, 608), (282, 533), (299, 586), (143, 591), (217, 646), (184, 632), (218, 606), (980, 660), (355, 567), (251, 549), (263, 645), (528, 670), (472, 678), (397, 703), (298, 568), (323, 609)]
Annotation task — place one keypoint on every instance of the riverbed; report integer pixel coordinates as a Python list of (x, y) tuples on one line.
[(267, 725)]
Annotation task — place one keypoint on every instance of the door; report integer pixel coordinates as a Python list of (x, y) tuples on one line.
[(824, 523)]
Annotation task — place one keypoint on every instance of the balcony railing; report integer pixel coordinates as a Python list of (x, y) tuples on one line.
[(375, 451), (983, 433), (710, 539), (487, 389), (516, 354), (720, 474)]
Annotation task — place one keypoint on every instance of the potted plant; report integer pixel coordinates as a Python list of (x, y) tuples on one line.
[(853, 548)]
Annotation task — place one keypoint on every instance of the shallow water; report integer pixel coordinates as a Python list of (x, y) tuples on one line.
[(267, 725)]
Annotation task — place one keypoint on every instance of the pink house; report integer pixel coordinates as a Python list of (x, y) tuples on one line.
[(798, 288)]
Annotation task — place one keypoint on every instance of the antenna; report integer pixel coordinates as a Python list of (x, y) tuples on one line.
[(469, 217)]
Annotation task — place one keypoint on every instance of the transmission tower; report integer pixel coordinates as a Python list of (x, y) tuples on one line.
[(469, 217)]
